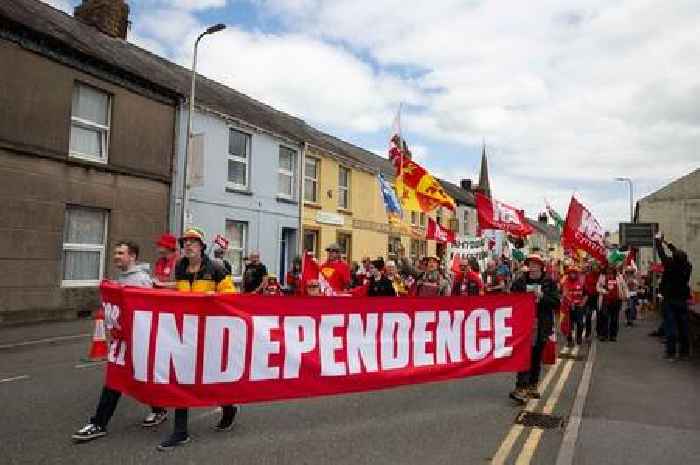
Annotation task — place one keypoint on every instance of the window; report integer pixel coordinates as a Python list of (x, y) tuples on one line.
[(311, 179), (422, 219), (311, 242), (89, 130), (419, 248), (394, 247), (84, 235), (344, 187), (345, 243), (438, 216), (286, 173), (465, 222), (238, 156), (237, 235)]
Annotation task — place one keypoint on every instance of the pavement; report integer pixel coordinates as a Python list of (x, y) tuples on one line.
[(47, 392)]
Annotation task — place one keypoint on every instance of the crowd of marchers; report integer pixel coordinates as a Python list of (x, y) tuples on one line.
[(574, 293)]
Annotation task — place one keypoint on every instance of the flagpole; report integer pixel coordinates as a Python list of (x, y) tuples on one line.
[(400, 154)]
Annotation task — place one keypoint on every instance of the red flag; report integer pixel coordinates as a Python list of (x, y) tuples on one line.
[(498, 215), (438, 233), (312, 271), (582, 231)]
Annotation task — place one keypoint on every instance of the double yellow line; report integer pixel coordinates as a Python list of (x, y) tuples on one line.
[(533, 439)]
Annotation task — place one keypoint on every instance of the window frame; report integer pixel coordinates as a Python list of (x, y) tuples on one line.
[(79, 247), (244, 246), (245, 160), (345, 189), (104, 130), (314, 181), (316, 235), (292, 174)]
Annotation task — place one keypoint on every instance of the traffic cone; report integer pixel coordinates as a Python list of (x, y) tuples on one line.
[(98, 347)]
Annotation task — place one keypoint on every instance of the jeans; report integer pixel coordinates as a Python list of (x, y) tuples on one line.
[(532, 376), (181, 415), (609, 319), (631, 310), (577, 316), (109, 398), (589, 309), (676, 322)]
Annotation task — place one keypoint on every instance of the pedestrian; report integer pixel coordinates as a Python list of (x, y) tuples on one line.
[(253, 274), (195, 272), (547, 298), (676, 291), (221, 260), (129, 273), (432, 283), (293, 278), (336, 270), (467, 282), (632, 295), (397, 281), (379, 284), (271, 286), (164, 268), (574, 302), (590, 289), (313, 288), (610, 291), (495, 282)]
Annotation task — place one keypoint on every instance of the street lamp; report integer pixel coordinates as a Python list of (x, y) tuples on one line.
[(631, 189), (210, 30)]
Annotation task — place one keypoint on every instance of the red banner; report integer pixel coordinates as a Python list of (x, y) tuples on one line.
[(582, 231), (188, 350), (437, 233), (498, 215)]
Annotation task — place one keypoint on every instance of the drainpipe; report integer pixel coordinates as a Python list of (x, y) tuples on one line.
[(300, 199)]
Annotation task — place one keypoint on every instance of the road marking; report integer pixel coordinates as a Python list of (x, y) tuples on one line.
[(14, 378), (533, 439), (516, 430), (91, 364), (43, 341), (568, 444)]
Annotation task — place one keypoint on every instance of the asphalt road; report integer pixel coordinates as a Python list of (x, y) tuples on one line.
[(47, 392)]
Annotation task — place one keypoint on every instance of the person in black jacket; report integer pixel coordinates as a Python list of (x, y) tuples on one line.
[(675, 290), (379, 284), (547, 295)]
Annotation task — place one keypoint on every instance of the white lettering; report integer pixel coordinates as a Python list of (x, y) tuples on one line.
[(299, 338), (362, 343), (478, 320), (421, 336), (394, 340), (181, 350), (448, 337), (141, 337), (263, 347), (329, 344), (220, 367), (502, 332)]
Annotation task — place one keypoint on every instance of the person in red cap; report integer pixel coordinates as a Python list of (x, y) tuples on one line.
[(547, 297), (164, 268), (335, 270)]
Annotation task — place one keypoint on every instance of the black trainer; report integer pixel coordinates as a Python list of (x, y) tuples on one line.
[(172, 442), (227, 421), (88, 433)]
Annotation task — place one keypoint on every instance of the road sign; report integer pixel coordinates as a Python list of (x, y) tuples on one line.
[(638, 234)]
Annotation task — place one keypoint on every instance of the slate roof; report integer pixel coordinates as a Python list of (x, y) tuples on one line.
[(51, 29), (549, 231)]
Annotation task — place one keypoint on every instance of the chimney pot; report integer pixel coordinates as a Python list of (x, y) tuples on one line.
[(466, 184)]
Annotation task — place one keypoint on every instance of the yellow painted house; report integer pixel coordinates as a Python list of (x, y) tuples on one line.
[(343, 204)]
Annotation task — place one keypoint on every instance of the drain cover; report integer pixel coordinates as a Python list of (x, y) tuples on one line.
[(564, 356), (539, 420)]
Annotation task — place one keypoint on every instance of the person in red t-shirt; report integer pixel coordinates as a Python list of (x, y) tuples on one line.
[(335, 270), (164, 268), (574, 303), (468, 282), (610, 289), (590, 282)]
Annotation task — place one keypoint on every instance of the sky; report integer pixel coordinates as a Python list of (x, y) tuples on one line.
[(565, 95)]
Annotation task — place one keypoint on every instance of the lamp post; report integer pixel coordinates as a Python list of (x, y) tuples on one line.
[(210, 30), (631, 190)]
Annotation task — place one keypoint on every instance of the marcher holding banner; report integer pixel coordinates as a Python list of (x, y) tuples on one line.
[(547, 297), (197, 273)]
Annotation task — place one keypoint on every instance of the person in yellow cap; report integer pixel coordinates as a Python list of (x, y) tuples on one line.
[(195, 272)]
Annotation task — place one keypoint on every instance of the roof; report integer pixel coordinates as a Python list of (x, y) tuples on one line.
[(53, 29), (547, 230), (687, 186)]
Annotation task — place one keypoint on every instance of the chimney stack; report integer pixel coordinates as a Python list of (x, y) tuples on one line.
[(466, 184), (109, 16)]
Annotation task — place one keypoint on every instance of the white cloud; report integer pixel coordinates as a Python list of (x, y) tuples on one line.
[(63, 5)]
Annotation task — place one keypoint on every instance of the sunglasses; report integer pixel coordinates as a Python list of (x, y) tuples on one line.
[(313, 286)]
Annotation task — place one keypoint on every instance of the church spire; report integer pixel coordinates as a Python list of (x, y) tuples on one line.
[(484, 185)]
